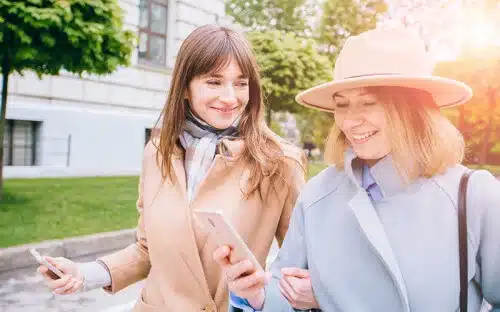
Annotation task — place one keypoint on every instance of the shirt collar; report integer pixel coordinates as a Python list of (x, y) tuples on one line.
[(384, 173)]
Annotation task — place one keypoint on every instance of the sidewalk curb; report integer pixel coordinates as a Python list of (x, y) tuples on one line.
[(19, 257)]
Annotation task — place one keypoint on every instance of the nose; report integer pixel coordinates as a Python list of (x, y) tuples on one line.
[(228, 94), (352, 119)]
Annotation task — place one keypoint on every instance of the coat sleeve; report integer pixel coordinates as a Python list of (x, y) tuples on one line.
[(484, 196), (291, 254), (297, 180), (130, 264)]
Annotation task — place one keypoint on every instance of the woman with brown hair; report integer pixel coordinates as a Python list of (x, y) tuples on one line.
[(213, 152)]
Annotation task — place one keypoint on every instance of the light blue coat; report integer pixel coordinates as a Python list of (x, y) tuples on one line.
[(397, 254)]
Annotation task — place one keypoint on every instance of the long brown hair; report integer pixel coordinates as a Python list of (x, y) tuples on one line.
[(209, 49), (423, 141)]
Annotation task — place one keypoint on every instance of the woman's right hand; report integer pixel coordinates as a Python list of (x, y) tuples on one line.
[(243, 279), (72, 280)]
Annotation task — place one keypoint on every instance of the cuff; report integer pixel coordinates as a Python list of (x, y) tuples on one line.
[(241, 303), (94, 275)]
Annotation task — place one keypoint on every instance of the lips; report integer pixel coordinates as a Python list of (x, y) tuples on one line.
[(360, 138)]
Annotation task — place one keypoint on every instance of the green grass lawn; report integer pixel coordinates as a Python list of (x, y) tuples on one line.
[(39, 209)]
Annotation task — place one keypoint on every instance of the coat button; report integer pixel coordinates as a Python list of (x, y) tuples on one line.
[(210, 308)]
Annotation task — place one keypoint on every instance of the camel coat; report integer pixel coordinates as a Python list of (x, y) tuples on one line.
[(173, 252)]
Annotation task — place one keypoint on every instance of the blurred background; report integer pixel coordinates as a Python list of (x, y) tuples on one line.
[(83, 83)]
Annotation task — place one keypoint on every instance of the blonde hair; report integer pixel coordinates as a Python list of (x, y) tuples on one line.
[(206, 50), (423, 141)]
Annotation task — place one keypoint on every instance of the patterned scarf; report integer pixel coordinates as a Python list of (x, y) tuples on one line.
[(201, 142)]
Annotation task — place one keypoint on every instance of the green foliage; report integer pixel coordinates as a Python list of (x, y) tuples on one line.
[(263, 15), (314, 126), (343, 18), (479, 119), (47, 36), (288, 64)]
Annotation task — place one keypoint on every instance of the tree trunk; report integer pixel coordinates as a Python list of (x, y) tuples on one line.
[(489, 127), (5, 86)]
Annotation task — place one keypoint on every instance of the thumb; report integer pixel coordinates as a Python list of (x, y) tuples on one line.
[(60, 263), (296, 272)]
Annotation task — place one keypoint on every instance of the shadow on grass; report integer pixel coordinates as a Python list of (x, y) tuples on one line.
[(9, 197)]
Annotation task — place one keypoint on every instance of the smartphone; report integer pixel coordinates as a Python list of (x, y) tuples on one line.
[(53, 272), (225, 234)]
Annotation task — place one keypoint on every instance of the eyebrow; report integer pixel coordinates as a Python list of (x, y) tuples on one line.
[(215, 75)]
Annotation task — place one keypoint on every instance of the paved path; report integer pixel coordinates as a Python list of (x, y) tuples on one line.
[(23, 290)]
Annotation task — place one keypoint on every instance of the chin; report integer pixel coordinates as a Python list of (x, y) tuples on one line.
[(369, 154), (222, 123)]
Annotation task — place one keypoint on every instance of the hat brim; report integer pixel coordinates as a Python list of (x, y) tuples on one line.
[(446, 92)]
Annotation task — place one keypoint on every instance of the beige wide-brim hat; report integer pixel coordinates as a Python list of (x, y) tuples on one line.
[(385, 57)]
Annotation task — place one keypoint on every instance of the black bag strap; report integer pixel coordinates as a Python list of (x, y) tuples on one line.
[(462, 239)]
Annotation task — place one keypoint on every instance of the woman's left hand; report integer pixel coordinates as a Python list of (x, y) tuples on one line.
[(295, 285)]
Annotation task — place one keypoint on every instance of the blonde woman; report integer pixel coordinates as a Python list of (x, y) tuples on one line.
[(214, 152), (377, 230)]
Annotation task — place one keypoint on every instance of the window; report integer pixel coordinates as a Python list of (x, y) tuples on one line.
[(148, 135), (153, 31), (20, 142)]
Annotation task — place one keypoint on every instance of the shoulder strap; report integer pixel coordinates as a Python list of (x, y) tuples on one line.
[(462, 239)]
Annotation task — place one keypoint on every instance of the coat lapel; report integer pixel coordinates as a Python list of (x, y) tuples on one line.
[(374, 232), (215, 176), (189, 252), (370, 224)]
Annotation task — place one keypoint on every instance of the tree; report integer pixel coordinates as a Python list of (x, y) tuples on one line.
[(288, 65), (263, 15), (47, 36), (478, 120), (343, 18)]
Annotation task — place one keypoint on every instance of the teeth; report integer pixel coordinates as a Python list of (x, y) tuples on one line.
[(225, 109), (363, 136)]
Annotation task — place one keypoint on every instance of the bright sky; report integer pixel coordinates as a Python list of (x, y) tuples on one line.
[(447, 25)]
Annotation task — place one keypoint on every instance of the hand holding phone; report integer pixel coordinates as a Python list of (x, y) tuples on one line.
[(62, 275), (225, 234), (53, 272)]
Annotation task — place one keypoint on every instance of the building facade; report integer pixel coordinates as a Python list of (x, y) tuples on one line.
[(98, 125)]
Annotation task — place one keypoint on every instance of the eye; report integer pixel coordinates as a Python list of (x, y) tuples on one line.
[(242, 84), (214, 82), (342, 105), (370, 103)]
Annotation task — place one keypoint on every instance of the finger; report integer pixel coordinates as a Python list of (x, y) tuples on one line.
[(297, 272), (250, 292), (221, 256), (54, 261), (289, 287), (54, 284), (241, 268), (243, 284), (75, 288), (268, 277), (64, 288), (285, 293)]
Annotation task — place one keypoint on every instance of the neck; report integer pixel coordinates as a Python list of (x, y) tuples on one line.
[(371, 162)]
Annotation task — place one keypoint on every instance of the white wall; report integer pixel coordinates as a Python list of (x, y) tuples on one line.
[(107, 115), (104, 140)]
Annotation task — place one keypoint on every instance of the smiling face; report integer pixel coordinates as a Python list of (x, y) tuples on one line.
[(362, 119), (219, 98)]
